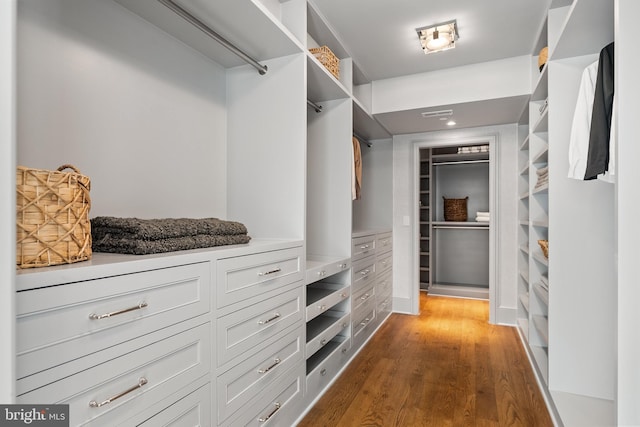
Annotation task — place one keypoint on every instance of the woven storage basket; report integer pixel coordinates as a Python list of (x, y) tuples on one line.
[(52, 215), (542, 57), (455, 209), (544, 245), (328, 59)]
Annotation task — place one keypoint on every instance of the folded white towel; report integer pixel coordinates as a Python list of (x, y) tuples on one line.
[(482, 219), (479, 213)]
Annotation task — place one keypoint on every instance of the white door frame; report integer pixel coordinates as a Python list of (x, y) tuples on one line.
[(436, 141)]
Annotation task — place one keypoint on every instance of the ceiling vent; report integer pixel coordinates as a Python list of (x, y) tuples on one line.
[(441, 113)]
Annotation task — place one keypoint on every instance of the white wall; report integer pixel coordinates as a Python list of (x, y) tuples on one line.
[(374, 209), (477, 82), (127, 104), (504, 309), (7, 195)]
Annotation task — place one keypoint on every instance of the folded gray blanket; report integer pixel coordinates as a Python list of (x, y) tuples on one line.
[(156, 229), (143, 247), (151, 236)]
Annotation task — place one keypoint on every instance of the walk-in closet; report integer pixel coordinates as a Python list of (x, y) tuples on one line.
[(455, 220)]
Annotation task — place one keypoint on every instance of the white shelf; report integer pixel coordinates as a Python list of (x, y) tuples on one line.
[(541, 157), (525, 170), (524, 275), (458, 157), (524, 300), (542, 293), (450, 224), (230, 19), (524, 195), (542, 125), (589, 26), (542, 326), (544, 188), (538, 256), (544, 223), (525, 144)]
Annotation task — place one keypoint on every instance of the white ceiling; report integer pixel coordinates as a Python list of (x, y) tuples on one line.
[(380, 36)]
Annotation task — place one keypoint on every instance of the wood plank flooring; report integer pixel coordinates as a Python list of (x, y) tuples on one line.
[(446, 367)]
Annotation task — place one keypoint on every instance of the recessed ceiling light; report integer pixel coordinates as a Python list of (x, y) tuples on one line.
[(438, 37), (451, 123)]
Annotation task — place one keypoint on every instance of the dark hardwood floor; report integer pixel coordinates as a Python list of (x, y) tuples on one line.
[(446, 367)]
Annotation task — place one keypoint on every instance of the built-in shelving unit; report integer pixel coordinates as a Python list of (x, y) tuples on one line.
[(425, 218), (459, 172), (564, 311)]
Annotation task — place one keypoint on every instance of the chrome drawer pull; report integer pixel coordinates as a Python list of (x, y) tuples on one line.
[(265, 419), (364, 247), (323, 372), (322, 307), (365, 322), (322, 273), (275, 270), (344, 295), (264, 322), (276, 361), (94, 316), (142, 381), (344, 350), (342, 266), (365, 272), (344, 325), (323, 342)]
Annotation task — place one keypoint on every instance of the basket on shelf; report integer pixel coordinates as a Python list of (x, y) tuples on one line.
[(455, 209), (544, 245), (542, 57), (52, 217), (328, 59)]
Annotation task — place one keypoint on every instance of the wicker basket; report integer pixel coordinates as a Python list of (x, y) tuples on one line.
[(542, 57), (544, 245), (455, 209), (328, 59), (52, 215)]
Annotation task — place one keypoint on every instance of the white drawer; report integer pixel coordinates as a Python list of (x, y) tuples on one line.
[(384, 283), (245, 330), (107, 394), (277, 406), (364, 318), (320, 374), (192, 410), (362, 298), (323, 328), (364, 273), (362, 247), (317, 269), (384, 262), (244, 381), (241, 278), (321, 296), (384, 242), (385, 305), (62, 323)]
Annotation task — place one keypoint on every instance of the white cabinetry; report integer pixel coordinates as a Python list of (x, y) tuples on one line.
[(112, 347), (567, 306)]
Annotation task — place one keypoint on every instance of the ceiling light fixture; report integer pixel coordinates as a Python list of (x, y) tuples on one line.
[(451, 123), (439, 113), (439, 37)]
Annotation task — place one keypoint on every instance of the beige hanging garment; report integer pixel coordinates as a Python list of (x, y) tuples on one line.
[(357, 169)]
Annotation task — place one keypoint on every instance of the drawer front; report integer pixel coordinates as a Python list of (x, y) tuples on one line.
[(385, 305), (362, 298), (278, 404), (362, 247), (66, 322), (364, 273), (326, 270), (320, 340), (326, 371), (192, 410), (107, 394), (384, 283), (244, 277), (338, 293), (364, 319), (243, 382), (384, 262), (384, 242), (245, 330)]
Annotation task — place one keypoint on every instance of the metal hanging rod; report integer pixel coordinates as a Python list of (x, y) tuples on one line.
[(361, 139), (315, 106), (262, 69)]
